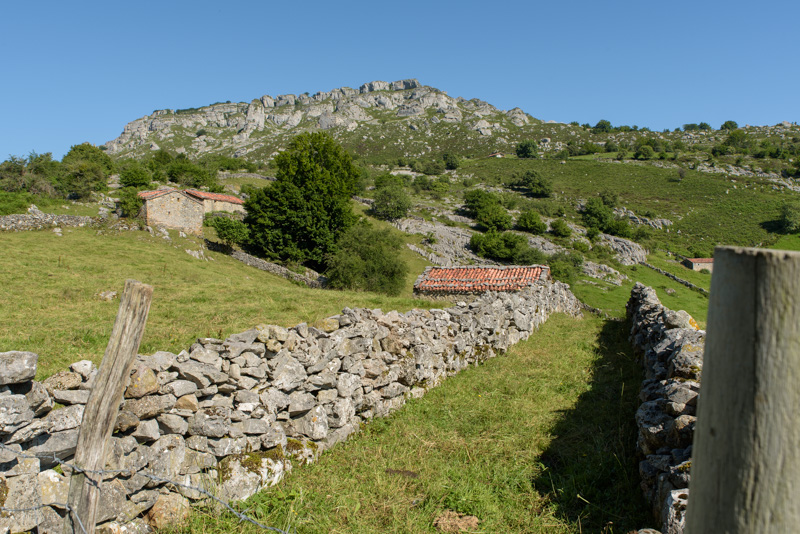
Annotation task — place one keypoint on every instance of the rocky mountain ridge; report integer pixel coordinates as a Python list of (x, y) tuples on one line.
[(263, 124)]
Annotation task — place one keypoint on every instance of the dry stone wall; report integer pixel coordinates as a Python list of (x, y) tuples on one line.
[(37, 220), (671, 347), (235, 415)]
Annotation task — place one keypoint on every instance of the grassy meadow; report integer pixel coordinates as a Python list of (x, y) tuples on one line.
[(51, 304)]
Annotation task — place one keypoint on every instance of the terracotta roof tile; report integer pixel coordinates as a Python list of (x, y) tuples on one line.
[(202, 195), (701, 260), (214, 196), (480, 279)]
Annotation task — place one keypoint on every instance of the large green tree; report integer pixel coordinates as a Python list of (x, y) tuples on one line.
[(303, 213)]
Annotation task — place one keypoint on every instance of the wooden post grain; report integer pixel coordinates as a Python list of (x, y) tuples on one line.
[(103, 405), (746, 455)]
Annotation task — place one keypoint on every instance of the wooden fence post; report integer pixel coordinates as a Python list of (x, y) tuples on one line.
[(746, 454), (103, 405)]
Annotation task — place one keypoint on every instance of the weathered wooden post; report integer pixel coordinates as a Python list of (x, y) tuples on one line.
[(746, 456), (103, 405)]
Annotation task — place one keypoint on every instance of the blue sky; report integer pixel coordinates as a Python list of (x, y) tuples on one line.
[(79, 71)]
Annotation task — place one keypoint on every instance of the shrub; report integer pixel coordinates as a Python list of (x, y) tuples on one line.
[(729, 125), (644, 152), (560, 228), (129, 202), (538, 186), (565, 267), (580, 246), (231, 231), (790, 217), (494, 217), (528, 149), (450, 161), (609, 198), (367, 259), (506, 247), (391, 202), (596, 214), (531, 222), (134, 175), (478, 199)]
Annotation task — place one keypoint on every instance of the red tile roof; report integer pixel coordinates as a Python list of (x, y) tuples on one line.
[(202, 195), (701, 260), (479, 279), (214, 196)]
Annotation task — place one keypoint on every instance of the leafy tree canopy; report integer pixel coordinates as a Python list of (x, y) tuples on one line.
[(391, 202), (538, 185), (86, 153), (300, 217)]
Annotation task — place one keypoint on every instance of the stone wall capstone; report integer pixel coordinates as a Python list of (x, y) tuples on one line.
[(671, 347), (235, 415)]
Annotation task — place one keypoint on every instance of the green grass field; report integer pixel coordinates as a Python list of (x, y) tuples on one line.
[(50, 303)]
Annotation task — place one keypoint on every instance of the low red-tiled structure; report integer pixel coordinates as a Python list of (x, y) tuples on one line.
[(173, 208), (698, 264), (436, 281), (217, 201)]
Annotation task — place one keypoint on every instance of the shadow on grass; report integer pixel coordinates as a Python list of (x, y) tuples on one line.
[(775, 226), (590, 470)]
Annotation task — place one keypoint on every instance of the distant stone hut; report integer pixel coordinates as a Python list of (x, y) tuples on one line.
[(173, 208), (698, 264), (184, 209), (217, 201), (446, 282)]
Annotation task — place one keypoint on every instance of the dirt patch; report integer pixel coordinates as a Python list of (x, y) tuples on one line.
[(450, 521)]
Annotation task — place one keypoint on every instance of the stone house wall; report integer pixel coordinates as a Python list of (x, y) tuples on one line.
[(233, 416), (210, 205), (175, 210)]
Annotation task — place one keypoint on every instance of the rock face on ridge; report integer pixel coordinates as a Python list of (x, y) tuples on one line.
[(264, 123)]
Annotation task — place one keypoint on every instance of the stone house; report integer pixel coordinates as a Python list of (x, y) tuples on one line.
[(218, 201), (173, 208), (698, 264), (445, 282)]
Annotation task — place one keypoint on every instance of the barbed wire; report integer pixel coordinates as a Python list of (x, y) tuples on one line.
[(130, 472)]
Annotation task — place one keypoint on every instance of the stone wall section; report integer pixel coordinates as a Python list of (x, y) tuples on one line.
[(235, 415), (677, 279), (671, 348), (37, 220)]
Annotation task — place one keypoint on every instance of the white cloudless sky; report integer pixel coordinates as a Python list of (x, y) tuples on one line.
[(79, 71)]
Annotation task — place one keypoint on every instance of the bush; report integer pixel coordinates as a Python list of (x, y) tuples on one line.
[(129, 202), (596, 214), (531, 222), (367, 259), (537, 185), (609, 198), (506, 247), (478, 199), (450, 161), (231, 231), (644, 152), (560, 228), (790, 217), (729, 125), (134, 175), (391, 202), (494, 217), (565, 267), (528, 149)]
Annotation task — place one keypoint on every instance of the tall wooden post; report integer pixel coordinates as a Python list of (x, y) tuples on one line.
[(746, 455), (103, 405)]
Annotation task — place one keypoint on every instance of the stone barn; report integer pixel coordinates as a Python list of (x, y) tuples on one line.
[(447, 282), (698, 264), (173, 208), (218, 201)]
